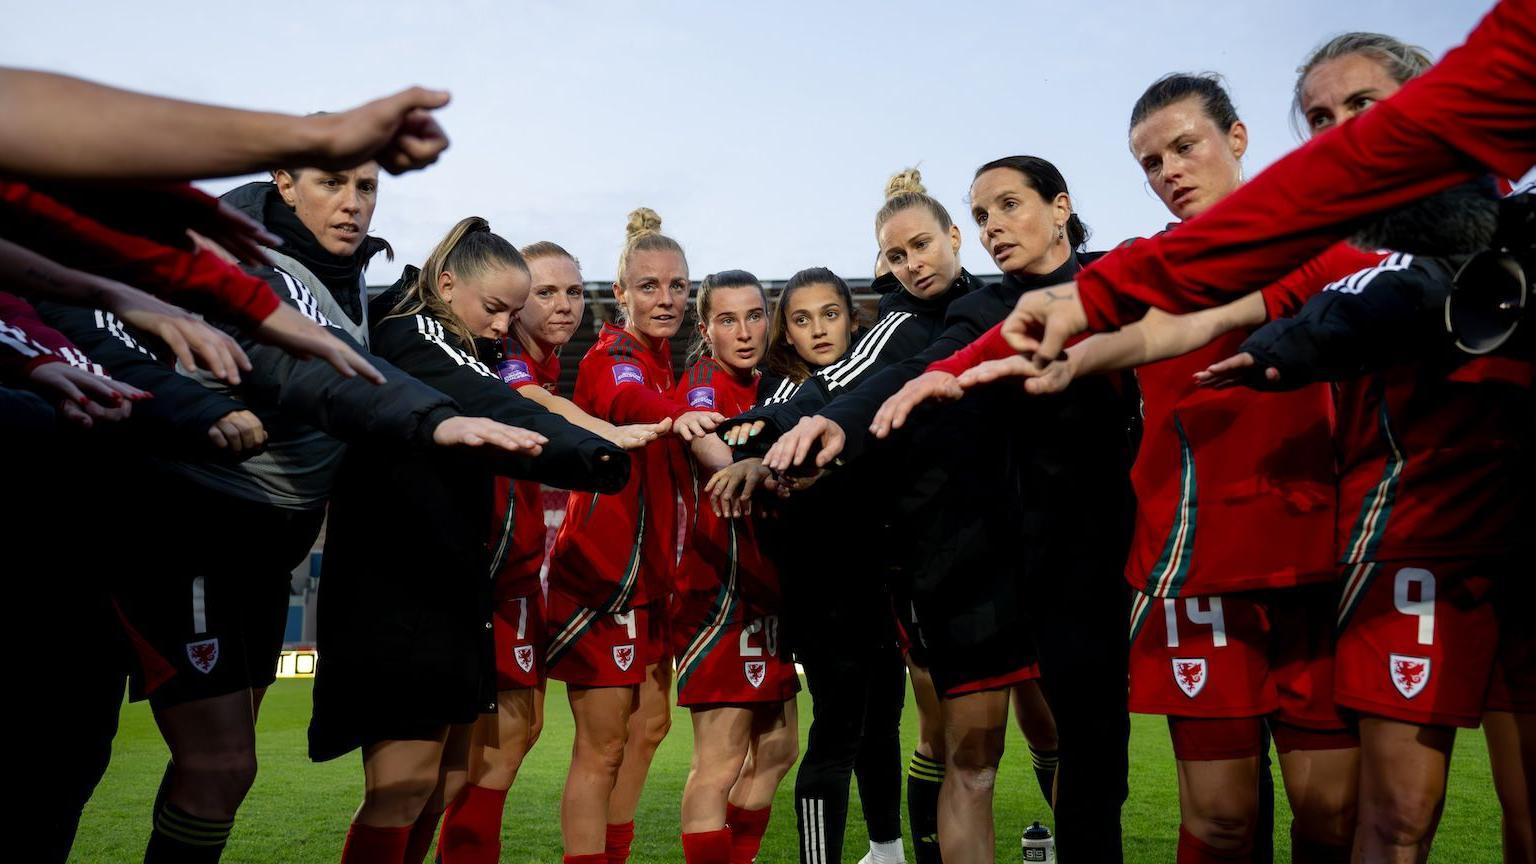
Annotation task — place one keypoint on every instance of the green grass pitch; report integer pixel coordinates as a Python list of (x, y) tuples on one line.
[(298, 811)]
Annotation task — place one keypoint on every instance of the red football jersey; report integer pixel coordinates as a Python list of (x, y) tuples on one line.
[(615, 552), (722, 568), (1433, 465), (1235, 488), (517, 529)]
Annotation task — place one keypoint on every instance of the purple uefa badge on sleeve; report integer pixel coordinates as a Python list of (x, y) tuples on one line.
[(514, 372), (627, 373), (701, 397)]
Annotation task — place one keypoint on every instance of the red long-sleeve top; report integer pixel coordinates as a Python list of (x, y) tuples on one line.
[(616, 552), (196, 279)]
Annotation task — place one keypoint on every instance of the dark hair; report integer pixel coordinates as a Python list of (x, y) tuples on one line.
[(469, 250), (1178, 86), (1047, 182), (782, 359), (707, 288)]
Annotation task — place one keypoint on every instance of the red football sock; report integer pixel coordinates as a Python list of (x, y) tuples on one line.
[(617, 844), (594, 858), (421, 839), (747, 828), (707, 847), (1193, 850), (367, 844), (472, 827)]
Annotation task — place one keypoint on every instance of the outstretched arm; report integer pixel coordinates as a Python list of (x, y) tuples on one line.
[(63, 127)]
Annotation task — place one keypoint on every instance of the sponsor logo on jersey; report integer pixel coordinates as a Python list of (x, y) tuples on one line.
[(1189, 674), (204, 654), (623, 657), (756, 671), (701, 397), (627, 373), (514, 372), (523, 654), (1409, 674)]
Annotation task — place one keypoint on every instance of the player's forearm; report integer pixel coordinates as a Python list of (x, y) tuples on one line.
[(711, 453), (64, 127), (31, 275), (569, 411), (1159, 336)]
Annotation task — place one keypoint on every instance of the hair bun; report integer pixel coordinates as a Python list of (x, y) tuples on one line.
[(642, 221), (909, 181)]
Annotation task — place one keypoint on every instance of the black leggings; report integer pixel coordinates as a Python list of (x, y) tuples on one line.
[(857, 691)]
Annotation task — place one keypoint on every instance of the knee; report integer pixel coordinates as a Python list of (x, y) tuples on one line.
[(1326, 818), (224, 775), (654, 730), (776, 758), (1222, 820), (1400, 817), (972, 765), (719, 772), (535, 729), (398, 801), (605, 753)]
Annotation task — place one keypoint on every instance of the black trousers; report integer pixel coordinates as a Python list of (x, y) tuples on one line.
[(857, 684), (1081, 608)]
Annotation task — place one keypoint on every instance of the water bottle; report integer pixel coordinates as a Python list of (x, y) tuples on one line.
[(1037, 843)]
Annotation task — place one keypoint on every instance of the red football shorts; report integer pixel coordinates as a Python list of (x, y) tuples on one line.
[(732, 662), (1030, 672), (1417, 640), (521, 639), (590, 648), (1244, 655)]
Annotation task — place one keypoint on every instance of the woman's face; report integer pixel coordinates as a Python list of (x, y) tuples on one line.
[(1338, 89), (555, 302), (1019, 229), (336, 206), (654, 292), (1189, 162), (818, 323), (486, 303), (924, 257), (737, 329)]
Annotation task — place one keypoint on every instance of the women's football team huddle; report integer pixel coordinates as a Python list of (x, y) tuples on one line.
[(1329, 567)]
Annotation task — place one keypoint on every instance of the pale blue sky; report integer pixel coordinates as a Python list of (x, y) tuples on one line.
[(763, 133)]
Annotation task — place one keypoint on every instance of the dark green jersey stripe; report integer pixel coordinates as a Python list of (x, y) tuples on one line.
[(1371, 523), (1172, 567)]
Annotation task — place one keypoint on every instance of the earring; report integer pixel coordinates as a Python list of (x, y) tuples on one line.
[(1061, 232)]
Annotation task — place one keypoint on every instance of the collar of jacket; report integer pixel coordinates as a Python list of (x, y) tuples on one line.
[(1017, 285), (902, 300)]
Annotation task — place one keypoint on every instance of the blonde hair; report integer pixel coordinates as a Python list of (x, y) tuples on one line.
[(548, 249), (904, 191), (642, 233), (1401, 60), (469, 250)]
